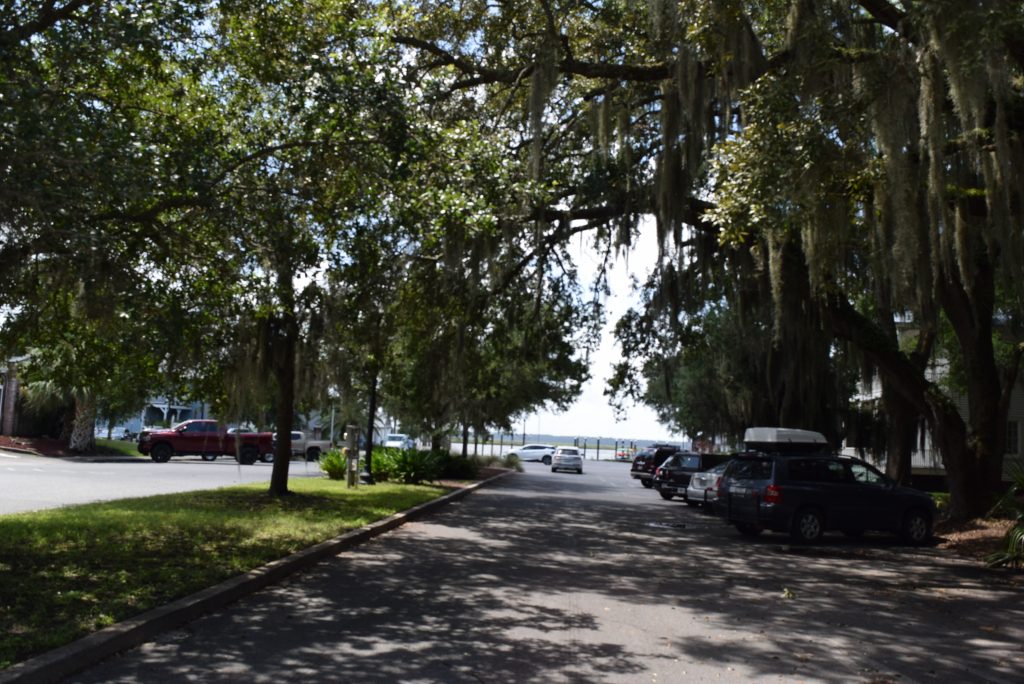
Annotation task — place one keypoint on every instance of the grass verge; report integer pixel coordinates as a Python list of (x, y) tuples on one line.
[(119, 446), (67, 572)]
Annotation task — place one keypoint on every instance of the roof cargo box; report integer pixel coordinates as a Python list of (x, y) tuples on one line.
[(774, 439)]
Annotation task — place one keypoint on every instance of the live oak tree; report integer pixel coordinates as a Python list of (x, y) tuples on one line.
[(486, 326), (851, 167), (95, 162), (865, 156)]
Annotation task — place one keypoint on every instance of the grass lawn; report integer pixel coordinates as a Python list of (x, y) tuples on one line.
[(70, 571), (120, 446)]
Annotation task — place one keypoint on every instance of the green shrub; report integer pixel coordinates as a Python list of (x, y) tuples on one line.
[(333, 463), (512, 461), (406, 465), (384, 464), (413, 466)]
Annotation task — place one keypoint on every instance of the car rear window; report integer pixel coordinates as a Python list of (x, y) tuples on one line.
[(750, 469), (692, 461), (815, 470)]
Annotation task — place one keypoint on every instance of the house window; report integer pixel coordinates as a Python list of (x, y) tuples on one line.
[(1012, 437)]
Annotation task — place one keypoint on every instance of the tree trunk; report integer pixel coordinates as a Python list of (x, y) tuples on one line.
[(283, 355), (800, 376), (946, 425), (372, 410), (970, 313), (83, 432), (465, 440), (901, 432)]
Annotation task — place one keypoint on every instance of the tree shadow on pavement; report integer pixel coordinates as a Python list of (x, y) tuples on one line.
[(541, 578)]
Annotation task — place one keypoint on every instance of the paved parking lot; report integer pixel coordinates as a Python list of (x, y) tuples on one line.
[(567, 578)]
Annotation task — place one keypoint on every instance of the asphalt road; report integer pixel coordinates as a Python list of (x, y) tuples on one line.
[(30, 483), (547, 577)]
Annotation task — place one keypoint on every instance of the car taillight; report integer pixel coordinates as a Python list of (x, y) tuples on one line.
[(772, 494)]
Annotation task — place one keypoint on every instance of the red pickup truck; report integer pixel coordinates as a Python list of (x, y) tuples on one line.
[(208, 439)]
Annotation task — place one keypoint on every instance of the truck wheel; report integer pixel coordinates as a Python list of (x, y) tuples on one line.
[(313, 454), (267, 457), (161, 453), (248, 455), (667, 496), (647, 483), (209, 457)]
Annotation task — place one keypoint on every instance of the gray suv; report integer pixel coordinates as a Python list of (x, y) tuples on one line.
[(807, 494)]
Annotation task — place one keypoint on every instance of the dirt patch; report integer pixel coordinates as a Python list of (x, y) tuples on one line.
[(975, 539)]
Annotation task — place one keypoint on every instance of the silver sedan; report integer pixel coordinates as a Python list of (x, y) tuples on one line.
[(702, 490)]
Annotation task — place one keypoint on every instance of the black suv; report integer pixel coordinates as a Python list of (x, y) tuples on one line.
[(647, 461), (807, 494), (672, 477)]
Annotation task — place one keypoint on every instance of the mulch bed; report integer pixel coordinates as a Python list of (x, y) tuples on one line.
[(975, 539), (37, 445)]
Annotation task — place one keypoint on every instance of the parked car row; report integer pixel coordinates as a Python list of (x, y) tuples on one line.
[(787, 481)]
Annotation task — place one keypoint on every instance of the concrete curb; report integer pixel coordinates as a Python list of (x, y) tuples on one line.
[(19, 451), (62, 662)]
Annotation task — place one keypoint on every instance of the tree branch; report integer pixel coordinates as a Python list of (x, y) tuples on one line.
[(885, 13), (47, 17), (478, 74)]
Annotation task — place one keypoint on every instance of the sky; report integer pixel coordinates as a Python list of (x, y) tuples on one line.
[(591, 415)]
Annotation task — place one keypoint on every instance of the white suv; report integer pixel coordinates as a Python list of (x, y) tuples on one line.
[(567, 458), (533, 452)]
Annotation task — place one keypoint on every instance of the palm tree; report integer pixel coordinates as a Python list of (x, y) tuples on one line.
[(78, 430)]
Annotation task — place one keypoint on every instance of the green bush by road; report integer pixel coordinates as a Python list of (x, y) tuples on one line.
[(67, 572)]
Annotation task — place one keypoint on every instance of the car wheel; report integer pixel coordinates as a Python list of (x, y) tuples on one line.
[(267, 457), (917, 527), (248, 455), (162, 453), (748, 530), (667, 496), (554, 469), (647, 483), (691, 502), (580, 471), (546, 460), (313, 454), (807, 526), (209, 457)]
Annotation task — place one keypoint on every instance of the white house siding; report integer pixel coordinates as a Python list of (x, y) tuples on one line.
[(926, 461)]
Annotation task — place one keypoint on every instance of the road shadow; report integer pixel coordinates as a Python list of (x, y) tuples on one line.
[(564, 578)]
